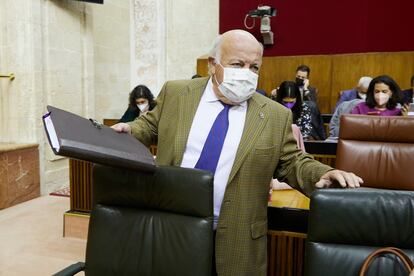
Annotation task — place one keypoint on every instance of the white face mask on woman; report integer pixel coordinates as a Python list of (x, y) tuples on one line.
[(143, 107), (239, 84), (381, 98)]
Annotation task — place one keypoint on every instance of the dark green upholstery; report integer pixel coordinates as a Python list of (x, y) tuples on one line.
[(150, 224), (346, 225)]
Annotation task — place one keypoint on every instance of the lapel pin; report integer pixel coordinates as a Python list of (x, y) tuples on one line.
[(261, 115)]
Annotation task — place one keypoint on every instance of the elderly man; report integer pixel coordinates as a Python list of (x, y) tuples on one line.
[(220, 124), (358, 92)]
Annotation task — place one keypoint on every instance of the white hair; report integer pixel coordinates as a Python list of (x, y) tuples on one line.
[(215, 51), (364, 82)]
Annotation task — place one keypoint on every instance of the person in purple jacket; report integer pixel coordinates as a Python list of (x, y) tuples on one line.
[(382, 99), (359, 92)]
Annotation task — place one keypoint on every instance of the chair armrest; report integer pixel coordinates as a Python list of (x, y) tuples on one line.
[(71, 270)]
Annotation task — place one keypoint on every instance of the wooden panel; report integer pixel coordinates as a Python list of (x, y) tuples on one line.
[(80, 178), (400, 66), (320, 77), (348, 69), (275, 70), (332, 73), (285, 253), (75, 225)]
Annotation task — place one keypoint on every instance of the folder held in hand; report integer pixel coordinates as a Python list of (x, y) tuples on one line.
[(73, 136)]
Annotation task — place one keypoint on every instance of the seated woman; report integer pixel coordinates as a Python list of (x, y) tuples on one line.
[(382, 98), (289, 95), (141, 101)]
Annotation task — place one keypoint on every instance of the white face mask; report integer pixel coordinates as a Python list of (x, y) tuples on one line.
[(381, 98), (143, 107), (362, 95), (238, 84)]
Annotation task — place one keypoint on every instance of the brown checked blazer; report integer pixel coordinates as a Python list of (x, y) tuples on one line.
[(267, 148)]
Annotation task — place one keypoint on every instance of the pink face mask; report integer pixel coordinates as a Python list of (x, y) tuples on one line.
[(381, 98)]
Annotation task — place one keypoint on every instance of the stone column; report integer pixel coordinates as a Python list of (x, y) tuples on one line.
[(148, 44)]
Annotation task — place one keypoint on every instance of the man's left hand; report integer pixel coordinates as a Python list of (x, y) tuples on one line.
[(345, 179)]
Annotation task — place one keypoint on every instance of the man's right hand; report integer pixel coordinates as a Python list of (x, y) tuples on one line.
[(306, 84), (122, 127)]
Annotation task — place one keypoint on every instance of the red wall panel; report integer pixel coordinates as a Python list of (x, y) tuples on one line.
[(309, 27)]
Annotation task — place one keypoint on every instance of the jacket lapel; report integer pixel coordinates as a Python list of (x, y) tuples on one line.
[(188, 103), (256, 119)]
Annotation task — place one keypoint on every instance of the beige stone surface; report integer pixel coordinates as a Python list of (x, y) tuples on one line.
[(69, 54), (31, 238)]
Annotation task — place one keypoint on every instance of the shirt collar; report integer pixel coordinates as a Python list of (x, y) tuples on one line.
[(211, 96)]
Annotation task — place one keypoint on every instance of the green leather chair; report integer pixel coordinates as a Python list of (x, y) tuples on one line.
[(346, 225), (149, 224)]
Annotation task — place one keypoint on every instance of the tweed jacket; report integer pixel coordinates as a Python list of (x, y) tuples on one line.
[(267, 148)]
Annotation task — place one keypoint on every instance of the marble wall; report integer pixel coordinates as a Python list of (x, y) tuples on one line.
[(65, 53), (86, 58), (167, 38)]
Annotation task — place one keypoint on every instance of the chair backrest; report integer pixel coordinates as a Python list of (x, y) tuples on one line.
[(346, 225), (150, 224), (379, 149)]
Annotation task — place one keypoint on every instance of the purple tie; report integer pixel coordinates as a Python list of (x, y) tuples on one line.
[(214, 144)]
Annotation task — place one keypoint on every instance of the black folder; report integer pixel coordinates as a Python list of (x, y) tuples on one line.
[(73, 136)]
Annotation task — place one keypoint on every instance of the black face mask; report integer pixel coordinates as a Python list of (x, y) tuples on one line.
[(299, 82)]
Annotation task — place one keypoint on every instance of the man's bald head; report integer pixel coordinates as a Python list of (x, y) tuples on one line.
[(234, 38)]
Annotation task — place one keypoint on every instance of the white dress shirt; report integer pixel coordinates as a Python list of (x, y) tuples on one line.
[(207, 111)]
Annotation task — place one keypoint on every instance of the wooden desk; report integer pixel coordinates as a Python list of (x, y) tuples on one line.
[(289, 199)]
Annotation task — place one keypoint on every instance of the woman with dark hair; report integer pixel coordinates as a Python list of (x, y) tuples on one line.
[(141, 101), (288, 94), (383, 95)]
